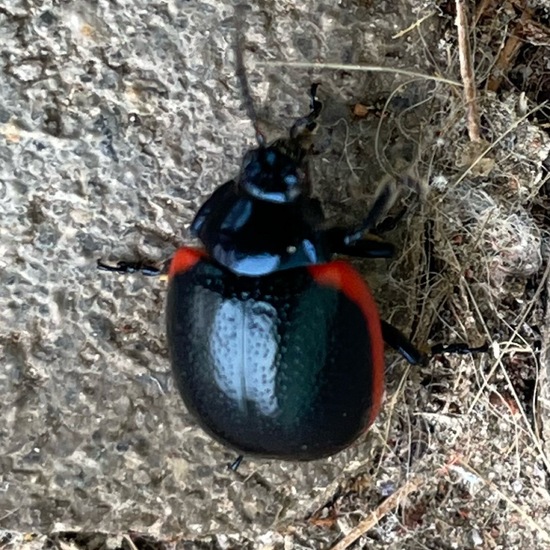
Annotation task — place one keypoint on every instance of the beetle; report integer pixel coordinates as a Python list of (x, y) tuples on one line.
[(277, 348)]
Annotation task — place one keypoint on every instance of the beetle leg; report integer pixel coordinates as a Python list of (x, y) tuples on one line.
[(399, 342), (369, 246), (131, 267), (383, 201), (352, 240), (390, 223)]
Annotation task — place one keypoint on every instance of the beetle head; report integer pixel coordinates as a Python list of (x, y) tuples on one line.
[(273, 174)]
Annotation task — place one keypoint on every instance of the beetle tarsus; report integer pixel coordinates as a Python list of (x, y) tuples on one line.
[(459, 347), (234, 466), (130, 267)]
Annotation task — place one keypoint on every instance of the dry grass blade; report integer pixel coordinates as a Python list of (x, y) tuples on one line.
[(129, 542), (413, 26), (359, 68)]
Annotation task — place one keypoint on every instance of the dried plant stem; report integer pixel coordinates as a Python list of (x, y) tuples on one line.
[(375, 516), (467, 71)]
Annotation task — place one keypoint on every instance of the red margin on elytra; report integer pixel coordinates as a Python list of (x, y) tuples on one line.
[(343, 277), (184, 259)]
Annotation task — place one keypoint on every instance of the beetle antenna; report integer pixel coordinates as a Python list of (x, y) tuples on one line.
[(240, 71), (308, 121)]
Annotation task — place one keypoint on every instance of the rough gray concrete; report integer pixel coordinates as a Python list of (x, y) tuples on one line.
[(116, 121)]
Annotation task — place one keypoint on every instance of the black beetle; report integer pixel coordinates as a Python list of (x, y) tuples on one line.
[(277, 350)]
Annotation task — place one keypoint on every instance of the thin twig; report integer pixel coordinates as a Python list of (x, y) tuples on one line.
[(467, 71), (375, 516)]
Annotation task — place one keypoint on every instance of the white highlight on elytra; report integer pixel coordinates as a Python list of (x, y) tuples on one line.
[(244, 358)]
